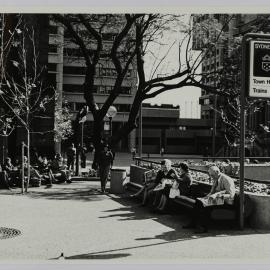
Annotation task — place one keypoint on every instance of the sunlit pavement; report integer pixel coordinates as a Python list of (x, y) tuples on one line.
[(79, 221)]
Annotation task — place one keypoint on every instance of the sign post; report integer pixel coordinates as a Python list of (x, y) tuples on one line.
[(255, 84)]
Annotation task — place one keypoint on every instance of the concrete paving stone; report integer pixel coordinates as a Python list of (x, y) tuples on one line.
[(86, 225)]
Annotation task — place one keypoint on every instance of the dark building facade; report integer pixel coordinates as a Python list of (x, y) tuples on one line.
[(162, 128)]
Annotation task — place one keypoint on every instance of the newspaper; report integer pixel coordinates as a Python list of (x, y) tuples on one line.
[(209, 201)]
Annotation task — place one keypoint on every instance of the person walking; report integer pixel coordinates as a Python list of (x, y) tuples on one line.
[(133, 152), (71, 155), (105, 162)]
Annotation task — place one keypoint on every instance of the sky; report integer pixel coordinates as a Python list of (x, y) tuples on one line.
[(186, 97)]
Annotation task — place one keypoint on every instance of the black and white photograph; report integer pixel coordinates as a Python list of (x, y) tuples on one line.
[(134, 137)]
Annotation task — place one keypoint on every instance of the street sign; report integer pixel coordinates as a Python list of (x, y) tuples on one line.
[(259, 69)]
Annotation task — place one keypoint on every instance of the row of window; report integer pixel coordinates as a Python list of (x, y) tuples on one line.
[(169, 141), (119, 107), (100, 89), (101, 71), (210, 67)]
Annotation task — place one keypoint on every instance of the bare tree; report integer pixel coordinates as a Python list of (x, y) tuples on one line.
[(134, 35), (24, 93)]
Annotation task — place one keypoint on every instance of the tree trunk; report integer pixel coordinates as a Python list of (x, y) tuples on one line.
[(28, 160)]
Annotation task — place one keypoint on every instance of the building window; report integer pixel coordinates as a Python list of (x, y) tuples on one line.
[(53, 48), (79, 106), (53, 29), (52, 67), (206, 101), (125, 90), (73, 88), (74, 70)]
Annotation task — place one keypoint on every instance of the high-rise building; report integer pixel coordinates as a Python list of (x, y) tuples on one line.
[(233, 25), (67, 71)]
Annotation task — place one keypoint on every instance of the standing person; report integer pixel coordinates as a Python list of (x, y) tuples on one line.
[(222, 193), (83, 156), (133, 152), (162, 151), (105, 162), (71, 155)]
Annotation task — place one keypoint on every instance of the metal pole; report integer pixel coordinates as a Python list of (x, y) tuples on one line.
[(242, 135), (82, 134), (140, 132), (214, 127), (110, 127), (22, 167)]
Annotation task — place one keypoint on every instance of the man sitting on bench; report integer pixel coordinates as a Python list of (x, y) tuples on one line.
[(222, 193)]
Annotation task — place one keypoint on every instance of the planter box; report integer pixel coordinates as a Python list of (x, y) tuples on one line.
[(260, 216)]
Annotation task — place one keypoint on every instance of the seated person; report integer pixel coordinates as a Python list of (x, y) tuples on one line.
[(184, 182), (59, 171), (165, 172), (12, 172), (4, 183), (45, 171), (222, 193)]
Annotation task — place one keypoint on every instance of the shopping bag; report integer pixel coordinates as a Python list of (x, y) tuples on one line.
[(174, 191)]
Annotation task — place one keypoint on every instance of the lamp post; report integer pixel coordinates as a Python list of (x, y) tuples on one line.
[(112, 111)]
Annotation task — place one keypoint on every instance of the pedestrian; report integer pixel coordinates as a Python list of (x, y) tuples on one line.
[(71, 155), (133, 152), (105, 162), (83, 156), (222, 193), (162, 151)]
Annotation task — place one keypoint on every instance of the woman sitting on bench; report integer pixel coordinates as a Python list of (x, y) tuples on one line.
[(166, 172), (183, 184)]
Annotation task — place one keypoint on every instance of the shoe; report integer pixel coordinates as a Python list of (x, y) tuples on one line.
[(69, 181), (201, 229), (189, 226)]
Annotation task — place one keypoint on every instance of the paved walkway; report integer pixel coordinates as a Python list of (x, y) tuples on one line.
[(79, 221)]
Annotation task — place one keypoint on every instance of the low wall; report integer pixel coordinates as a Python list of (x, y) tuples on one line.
[(260, 216), (252, 171)]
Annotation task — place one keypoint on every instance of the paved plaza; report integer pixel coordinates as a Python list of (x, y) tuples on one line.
[(79, 221)]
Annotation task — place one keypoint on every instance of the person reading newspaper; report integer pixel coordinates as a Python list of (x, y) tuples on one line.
[(222, 192)]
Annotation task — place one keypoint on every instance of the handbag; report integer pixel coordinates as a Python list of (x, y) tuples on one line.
[(174, 191)]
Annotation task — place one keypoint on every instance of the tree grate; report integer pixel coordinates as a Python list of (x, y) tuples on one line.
[(6, 233)]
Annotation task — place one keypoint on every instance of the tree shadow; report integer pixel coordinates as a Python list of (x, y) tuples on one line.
[(175, 219), (91, 256), (62, 192)]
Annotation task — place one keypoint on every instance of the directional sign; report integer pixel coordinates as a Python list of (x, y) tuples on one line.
[(259, 69)]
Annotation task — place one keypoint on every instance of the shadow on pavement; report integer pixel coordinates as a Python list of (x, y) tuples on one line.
[(94, 256), (174, 220), (86, 194)]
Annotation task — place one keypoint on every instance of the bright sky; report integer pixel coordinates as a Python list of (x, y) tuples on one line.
[(186, 97)]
